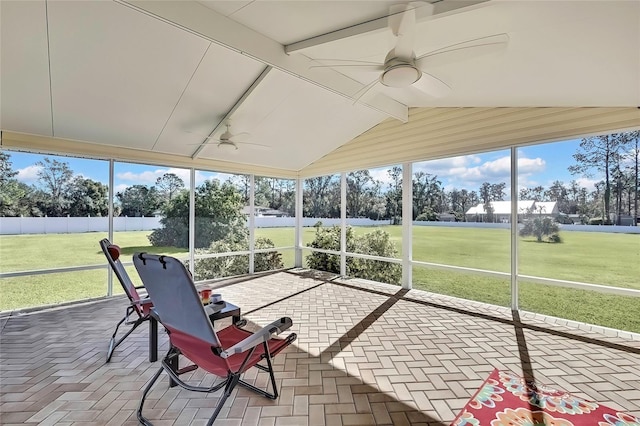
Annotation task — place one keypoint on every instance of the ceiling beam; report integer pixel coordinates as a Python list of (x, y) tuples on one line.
[(217, 28), (233, 109), (424, 11)]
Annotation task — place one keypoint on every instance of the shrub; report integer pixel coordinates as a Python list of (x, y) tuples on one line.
[(376, 243), (217, 267), (218, 208), (327, 239), (543, 228), (428, 215)]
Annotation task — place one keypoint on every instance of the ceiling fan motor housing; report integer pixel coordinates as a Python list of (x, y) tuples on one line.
[(399, 73)]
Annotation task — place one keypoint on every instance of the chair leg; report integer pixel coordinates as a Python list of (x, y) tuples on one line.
[(229, 384), (271, 373), (113, 344), (268, 369), (143, 420), (232, 381)]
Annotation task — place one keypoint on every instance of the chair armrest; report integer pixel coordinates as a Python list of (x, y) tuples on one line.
[(259, 337)]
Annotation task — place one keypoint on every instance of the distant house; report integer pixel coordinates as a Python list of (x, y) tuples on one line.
[(502, 210), (546, 208), (262, 211)]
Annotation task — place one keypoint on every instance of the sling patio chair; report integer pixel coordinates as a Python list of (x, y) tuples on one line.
[(138, 305), (226, 353)]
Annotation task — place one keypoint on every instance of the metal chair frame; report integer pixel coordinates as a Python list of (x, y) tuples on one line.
[(141, 306), (173, 292)]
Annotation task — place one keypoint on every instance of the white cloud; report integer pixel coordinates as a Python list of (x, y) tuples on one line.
[(470, 171), (381, 175), (29, 174), (590, 184), (531, 165), (489, 171), (149, 177), (120, 188), (447, 166)]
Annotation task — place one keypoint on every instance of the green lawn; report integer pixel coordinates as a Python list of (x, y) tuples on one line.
[(601, 258), (591, 257)]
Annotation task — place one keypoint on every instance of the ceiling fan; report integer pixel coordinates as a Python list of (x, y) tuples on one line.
[(230, 141), (402, 69)]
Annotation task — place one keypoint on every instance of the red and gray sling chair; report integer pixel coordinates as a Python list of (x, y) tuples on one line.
[(141, 306), (226, 353)]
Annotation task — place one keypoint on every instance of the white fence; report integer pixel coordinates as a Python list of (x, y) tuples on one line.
[(579, 228), (67, 225), (290, 222)]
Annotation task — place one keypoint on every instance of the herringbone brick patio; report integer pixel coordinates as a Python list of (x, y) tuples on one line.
[(366, 354)]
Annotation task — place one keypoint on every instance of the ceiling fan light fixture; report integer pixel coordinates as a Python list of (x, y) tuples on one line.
[(401, 75), (227, 146)]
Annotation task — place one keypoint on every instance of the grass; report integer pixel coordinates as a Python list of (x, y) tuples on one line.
[(601, 258), (28, 252), (607, 310), (591, 257)]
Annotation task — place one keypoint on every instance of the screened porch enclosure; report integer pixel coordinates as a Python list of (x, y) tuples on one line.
[(419, 233), (397, 225), (367, 354)]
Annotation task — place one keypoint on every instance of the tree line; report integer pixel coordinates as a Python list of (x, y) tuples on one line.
[(612, 157), (59, 192)]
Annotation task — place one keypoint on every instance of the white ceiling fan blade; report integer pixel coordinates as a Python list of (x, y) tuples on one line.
[(209, 140), (463, 51), (360, 93), (432, 86), (361, 66), (402, 21), (242, 137), (255, 145)]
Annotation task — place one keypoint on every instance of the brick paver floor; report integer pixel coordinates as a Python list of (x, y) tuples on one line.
[(366, 354)]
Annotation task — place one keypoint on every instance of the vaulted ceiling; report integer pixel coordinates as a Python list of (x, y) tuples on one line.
[(159, 77)]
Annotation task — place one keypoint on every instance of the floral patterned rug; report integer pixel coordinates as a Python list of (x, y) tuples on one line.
[(505, 399)]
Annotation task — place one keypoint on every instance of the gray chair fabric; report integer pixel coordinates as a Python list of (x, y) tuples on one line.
[(175, 299)]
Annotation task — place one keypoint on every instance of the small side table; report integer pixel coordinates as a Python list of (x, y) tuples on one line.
[(229, 310)]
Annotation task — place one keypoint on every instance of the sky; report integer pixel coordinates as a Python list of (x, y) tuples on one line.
[(538, 165)]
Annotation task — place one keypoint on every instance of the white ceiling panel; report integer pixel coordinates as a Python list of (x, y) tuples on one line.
[(559, 54), (116, 74), (299, 122), (220, 80), (160, 75), (226, 8), (25, 102), (291, 21)]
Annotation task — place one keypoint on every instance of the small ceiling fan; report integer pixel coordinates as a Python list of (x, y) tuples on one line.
[(230, 141), (402, 69)]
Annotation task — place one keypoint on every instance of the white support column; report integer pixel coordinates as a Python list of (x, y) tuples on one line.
[(192, 220), (299, 219), (514, 228), (407, 224), (252, 223), (110, 231), (343, 224)]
